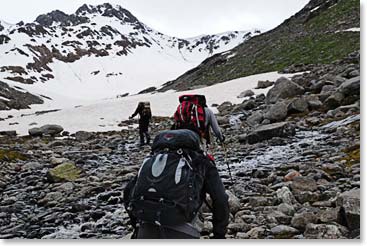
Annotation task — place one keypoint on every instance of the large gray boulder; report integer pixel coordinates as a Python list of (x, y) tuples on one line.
[(52, 130), (264, 84), (298, 105), (334, 100), (277, 112), (351, 86), (265, 132), (349, 213), (255, 118), (283, 88)]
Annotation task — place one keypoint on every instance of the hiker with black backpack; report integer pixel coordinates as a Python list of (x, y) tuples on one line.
[(194, 114), (164, 199), (145, 115)]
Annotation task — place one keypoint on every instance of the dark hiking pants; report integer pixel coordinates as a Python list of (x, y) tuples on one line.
[(143, 132), (150, 231)]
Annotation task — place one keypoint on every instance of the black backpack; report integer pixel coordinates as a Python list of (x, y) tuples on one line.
[(169, 183)]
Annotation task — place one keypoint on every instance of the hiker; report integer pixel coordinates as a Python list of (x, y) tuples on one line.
[(145, 115), (194, 114), (164, 199)]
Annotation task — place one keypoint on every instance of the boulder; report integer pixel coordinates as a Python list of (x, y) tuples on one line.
[(298, 105), (83, 136), (286, 208), (63, 172), (350, 87), (285, 195), (301, 220), (283, 88), (264, 84), (303, 183), (329, 215), (255, 118), (254, 233), (349, 213), (35, 132), (52, 130), (265, 132), (334, 100), (291, 175), (284, 232), (234, 202), (322, 231), (246, 93), (8, 133), (277, 112)]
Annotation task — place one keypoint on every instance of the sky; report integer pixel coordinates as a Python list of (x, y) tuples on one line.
[(180, 18)]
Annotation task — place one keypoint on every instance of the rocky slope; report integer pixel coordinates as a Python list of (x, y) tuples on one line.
[(99, 47), (320, 33), (294, 154)]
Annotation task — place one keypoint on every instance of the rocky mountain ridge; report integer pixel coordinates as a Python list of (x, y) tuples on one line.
[(55, 44), (320, 33)]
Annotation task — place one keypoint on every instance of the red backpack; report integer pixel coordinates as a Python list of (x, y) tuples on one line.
[(190, 114)]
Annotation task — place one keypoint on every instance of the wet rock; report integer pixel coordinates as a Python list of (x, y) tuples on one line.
[(63, 172), (283, 88), (322, 231), (276, 112), (255, 118), (349, 213), (265, 132), (283, 231)]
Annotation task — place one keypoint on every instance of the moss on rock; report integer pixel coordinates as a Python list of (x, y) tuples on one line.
[(64, 172)]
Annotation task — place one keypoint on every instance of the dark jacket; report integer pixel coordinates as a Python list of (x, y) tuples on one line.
[(213, 186), (143, 117)]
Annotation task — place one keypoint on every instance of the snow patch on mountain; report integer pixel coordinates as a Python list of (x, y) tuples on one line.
[(104, 115)]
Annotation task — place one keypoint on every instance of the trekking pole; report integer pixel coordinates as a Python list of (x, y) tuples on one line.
[(226, 161)]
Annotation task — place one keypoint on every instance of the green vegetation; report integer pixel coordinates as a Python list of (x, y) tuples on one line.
[(64, 172), (316, 37), (347, 11), (352, 156), (10, 155)]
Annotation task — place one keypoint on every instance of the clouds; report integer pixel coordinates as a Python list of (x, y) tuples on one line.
[(174, 17)]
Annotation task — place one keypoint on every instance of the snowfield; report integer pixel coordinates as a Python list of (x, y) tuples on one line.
[(104, 115)]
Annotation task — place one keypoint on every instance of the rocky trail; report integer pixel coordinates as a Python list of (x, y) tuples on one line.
[(294, 156)]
